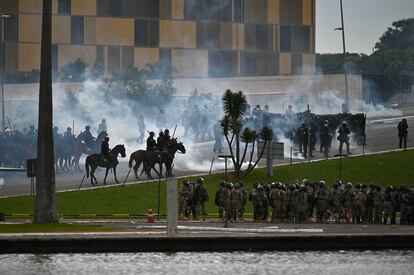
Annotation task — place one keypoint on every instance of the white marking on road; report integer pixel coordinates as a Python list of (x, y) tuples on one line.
[(388, 120)]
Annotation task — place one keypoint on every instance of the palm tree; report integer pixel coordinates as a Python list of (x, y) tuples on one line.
[(45, 211), (266, 134), (234, 106), (248, 136)]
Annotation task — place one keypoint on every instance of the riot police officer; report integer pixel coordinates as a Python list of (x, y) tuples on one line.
[(151, 143)]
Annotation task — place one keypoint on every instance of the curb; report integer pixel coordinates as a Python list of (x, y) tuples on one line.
[(155, 243)]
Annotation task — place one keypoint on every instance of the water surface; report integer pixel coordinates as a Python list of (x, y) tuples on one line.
[(312, 262)]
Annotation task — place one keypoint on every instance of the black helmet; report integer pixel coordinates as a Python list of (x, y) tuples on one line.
[(166, 131), (69, 129), (200, 180), (151, 133), (87, 127)]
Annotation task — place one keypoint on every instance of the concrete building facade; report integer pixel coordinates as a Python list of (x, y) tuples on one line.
[(189, 38)]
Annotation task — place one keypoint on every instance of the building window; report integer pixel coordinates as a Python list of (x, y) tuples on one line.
[(11, 28), (128, 8), (164, 65), (64, 7), (99, 66), (77, 30), (291, 12), (215, 10), (250, 36), (127, 57), (262, 37), (109, 7), (146, 33), (114, 59), (238, 11), (285, 38), (208, 35), (301, 39), (222, 63)]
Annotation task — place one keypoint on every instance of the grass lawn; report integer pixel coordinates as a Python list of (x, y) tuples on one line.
[(45, 228), (392, 168)]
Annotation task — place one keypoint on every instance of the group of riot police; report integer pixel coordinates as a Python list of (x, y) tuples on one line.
[(16, 146), (306, 136), (192, 200), (343, 203), (303, 202)]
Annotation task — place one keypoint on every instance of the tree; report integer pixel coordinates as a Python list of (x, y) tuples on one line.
[(266, 134), (235, 106), (45, 211)]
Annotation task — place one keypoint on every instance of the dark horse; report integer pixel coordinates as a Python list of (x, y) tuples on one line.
[(150, 158), (80, 148), (96, 160)]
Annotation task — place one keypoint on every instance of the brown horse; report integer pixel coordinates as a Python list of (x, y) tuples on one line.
[(94, 161), (150, 158), (80, 148)]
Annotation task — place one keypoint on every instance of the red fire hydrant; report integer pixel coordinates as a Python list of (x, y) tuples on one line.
[(150, 216)]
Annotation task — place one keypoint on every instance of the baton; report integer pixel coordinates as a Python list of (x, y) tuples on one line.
[(174, 130), (81, 183), (127, 176)]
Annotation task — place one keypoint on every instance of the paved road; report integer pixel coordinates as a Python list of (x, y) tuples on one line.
[(381, 135)]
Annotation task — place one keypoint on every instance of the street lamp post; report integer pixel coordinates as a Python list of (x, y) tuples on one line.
[(342, 28), (3, 59)]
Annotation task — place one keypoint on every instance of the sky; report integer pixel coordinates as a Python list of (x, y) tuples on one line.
[(365, 21)]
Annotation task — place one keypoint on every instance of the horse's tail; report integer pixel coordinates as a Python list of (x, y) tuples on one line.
[(131, 159), (87, 167)]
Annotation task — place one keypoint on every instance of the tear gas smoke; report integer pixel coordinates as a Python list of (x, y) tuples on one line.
[(197, 113)]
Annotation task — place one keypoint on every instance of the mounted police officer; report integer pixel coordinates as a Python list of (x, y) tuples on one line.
[(151, 143), (344, 137), (87, 137), (68, 137), (105, 150), (167, 136), (161, 142)]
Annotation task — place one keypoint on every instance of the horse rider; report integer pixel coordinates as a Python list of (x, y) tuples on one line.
[(161, 141), (87, 137), (68, 136), (102, 126), (105, 150), (167, 136), (56, 134), (151, 143)]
